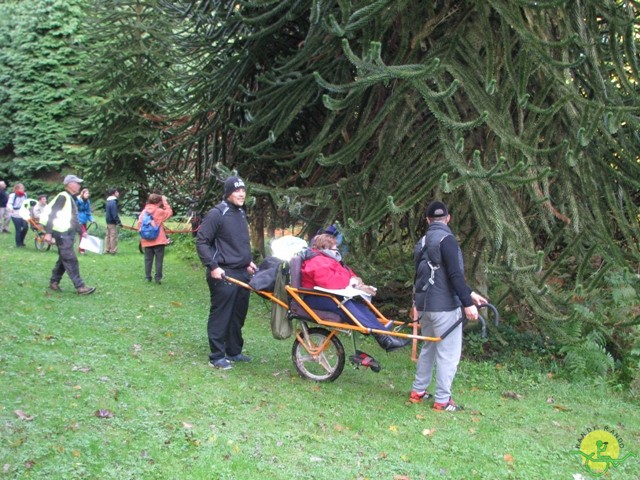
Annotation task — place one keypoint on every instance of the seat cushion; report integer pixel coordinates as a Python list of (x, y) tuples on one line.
[(298, 311)]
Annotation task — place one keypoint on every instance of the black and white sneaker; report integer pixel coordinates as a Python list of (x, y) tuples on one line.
[(221, 364)]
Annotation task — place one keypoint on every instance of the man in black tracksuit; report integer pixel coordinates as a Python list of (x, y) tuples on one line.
[(224, 248)]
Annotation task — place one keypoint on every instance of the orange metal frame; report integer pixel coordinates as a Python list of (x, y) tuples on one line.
[(35, 225), (297, 293)]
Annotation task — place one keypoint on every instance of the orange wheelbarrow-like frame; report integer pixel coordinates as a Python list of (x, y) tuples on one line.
[(317, 352)]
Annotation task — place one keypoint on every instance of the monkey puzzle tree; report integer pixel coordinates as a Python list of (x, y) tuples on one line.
[(522, 115), (128, 80)]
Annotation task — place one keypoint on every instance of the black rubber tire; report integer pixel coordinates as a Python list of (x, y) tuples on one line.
[(324, 367)]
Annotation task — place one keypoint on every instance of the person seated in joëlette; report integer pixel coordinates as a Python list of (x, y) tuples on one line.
[(322, 267)]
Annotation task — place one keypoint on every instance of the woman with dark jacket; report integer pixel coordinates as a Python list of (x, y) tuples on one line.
[(84, 212), (322, 267)]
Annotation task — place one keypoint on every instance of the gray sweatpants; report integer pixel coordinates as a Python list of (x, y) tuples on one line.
[(444, 355)]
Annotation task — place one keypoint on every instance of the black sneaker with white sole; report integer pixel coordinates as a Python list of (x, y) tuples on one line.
[(221, 364)]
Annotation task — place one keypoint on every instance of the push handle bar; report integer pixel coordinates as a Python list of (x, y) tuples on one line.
[(481, 319)]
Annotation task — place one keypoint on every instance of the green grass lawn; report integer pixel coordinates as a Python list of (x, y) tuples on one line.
[(136, 353)]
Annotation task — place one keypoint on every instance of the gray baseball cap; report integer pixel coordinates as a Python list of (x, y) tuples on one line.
[(71, 178)]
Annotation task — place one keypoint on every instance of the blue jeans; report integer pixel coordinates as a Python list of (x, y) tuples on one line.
[(22, 227), (360, 311)]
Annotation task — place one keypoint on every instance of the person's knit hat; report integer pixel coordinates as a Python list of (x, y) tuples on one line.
[(232, 184), (437, 209), (71, 178)]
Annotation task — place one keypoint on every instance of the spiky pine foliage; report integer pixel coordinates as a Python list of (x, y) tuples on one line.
[(522, 115), (38, 90), (128, 80)]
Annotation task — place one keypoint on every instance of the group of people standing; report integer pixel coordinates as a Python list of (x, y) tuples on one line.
[(10, 206), (18, 207), (68, 215), (441, 295)]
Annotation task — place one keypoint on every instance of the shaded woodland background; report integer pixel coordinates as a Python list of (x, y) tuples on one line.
[(521, 115)]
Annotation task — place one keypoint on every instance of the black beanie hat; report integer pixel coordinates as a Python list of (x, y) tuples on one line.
[(232, 184), (437, 209)]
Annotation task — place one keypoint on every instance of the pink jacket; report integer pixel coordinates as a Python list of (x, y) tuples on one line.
[(325, 272), (159, 215)]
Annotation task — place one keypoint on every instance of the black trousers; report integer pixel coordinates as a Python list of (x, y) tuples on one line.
[(229, 307), (22, 227), (157, 252), (67, 260)]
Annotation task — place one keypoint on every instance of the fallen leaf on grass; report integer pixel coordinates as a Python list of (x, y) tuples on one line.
[(401, 477), (187, 425), (23, 416), (104, 413), (550, 400), (17, 442), (393, 428), (561, 408), (508, 458), (419, 417), (428, 432), (81, 369), (513, 395), (176, 304)]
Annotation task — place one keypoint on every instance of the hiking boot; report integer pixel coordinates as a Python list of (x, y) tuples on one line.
[(239, 358), (449, 406), (221, 363), (55, 286), (417, 397), (85, 290)]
